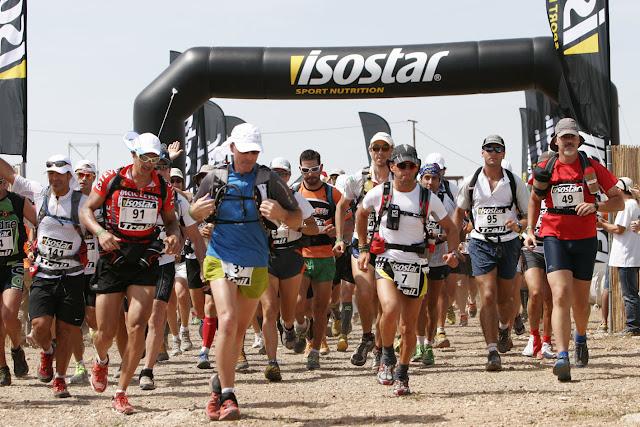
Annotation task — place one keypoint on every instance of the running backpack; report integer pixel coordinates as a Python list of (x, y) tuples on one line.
[(320, 239)]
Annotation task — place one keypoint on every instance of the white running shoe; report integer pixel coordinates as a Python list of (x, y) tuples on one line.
[(528, 350), (547, 351), (258, 341)]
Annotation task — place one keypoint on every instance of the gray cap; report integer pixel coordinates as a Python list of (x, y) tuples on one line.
[(280, 163), (405, 153), (566, 126), (204, 170), (493, 139)]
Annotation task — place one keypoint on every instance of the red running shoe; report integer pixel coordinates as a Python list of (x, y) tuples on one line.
[(99, 376), (45, 370), (213, 407), (229, 410), (60, 388), (120, 403)]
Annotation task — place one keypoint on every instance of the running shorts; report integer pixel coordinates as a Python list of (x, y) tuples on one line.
[(181, 271), (343, 269), (285, 263), (485, 256), (89, 295), (320, 269), (110, 279), (62, 298), (533, 260), (438, 273), (579, 256), (193, 274), (258, 283), (12, 277), (164, 285), (407, 283)]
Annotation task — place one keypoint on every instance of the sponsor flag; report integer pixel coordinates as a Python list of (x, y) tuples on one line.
[(214, 128), (538, 121), (13, 77), (580, 30), (231, 122), (372, 124)]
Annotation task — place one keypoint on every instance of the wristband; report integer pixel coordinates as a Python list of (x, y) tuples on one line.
[(100, 232), (339, 240), (363, 248)]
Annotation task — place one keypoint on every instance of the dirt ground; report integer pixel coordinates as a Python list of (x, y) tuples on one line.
[(456, 391)]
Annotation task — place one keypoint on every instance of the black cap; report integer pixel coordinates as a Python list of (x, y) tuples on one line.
[(405, 153)]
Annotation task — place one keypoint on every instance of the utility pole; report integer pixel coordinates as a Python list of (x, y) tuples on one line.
[(413, 125)]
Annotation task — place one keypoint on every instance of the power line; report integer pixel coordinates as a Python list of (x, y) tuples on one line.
[(447, 148), (70, 132)]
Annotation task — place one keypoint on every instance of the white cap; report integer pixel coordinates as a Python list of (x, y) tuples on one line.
[(176, 172), (280, 163), (85, 166), (59, 163), (436, 158), (246, 137), (336, 172), (625, 184), (506, 164), (147, 143), (381, 136)]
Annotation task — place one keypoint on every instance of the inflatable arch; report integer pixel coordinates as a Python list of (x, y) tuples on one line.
[(201, 73)]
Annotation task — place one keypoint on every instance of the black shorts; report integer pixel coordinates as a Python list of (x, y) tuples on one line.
[(438, 273), (62, 298), (343, 268), (12, 277), (89, 295), (285, 263), (193, 274), (533, 260), (109, 279), (464, 266), (164, 285), (579, 256)]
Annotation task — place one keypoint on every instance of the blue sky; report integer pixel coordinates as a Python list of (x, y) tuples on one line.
[(88, 61)]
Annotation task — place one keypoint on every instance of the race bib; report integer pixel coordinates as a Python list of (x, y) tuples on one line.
[(567, 195), (434, 230), (238, 274), (6, 242), (407, 277), (491, 219), (51, 248), (137, 213)]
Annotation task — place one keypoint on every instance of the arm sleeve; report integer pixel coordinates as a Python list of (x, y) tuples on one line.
[(463, 201)]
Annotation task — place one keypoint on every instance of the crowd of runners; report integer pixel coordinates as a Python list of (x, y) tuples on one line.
[(136, 258)]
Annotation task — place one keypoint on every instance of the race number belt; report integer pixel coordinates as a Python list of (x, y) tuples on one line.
[(238, 274)]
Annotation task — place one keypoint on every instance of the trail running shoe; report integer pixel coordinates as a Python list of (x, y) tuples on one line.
[(442, 341), (359, 357), (528, 349), (116, 374), (377, 357), (385, 374), (504, 340), (5, 376), (289, 338), (518, 325), (258, 341), (472, 309), (307, 349), (313, 361), (174, 348), (242, 364), (203, 361), (146, 380), (80, 376), (428, 359), (229, 410), (272, 372), (546, 351), (343, 343), (213, 405), (451, 316), (60, 388), (581, 356), (494, 364), (120, 403), (418, 354), (401, 387), (464, 320), (45, 370), (324, 347), (185, 340), (301, 341), (163, 356), (336, 327), (562, 369), (99, 374), (20, 365)]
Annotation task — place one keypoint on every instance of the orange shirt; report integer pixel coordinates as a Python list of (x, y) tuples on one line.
[(322, 245)]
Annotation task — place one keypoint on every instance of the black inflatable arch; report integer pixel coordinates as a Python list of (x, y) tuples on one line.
[(201, 73)]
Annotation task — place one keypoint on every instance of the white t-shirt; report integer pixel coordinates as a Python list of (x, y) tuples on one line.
[(284, 234), (625, 247), (351, 187), (182, 212), (411, 229), (441, 248), (491, 209)]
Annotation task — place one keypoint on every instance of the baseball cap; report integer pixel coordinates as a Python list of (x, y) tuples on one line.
[(176, 172), (336, 172), (147, 143), (59, 163), (493, 139), (436, 158), (625, 184), (85, 166), (246, 137), (405, 153), (280, 163), (381, 136), (566, 126)]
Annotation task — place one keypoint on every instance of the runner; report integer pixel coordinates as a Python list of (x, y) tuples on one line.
[(13, 210), (320, 266), (238, 252), (403, 209), (285, 274), (494, 197), (132, 198), (355, 188), (57, 290), (569, 183)]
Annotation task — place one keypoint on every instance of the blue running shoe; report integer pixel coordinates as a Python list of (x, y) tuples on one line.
[(203, 361), (562, 369)]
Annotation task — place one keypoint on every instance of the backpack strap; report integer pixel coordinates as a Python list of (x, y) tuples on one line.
[(447, 188), (472, 186), (512, 185), (328, 191), (385, 201), (425, 196)]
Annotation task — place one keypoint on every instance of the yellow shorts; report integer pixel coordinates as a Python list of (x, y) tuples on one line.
[(212, 270)]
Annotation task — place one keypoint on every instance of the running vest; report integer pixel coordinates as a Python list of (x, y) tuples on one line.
[(566, 195), (367, 185), (490, 220), (325, 210), (12, 231), (434, 230), (285, 238)]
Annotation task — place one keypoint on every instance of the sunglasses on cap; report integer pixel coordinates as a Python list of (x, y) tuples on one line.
[(406, 165), (311, 169), (145, 158), (493, 148), (384, 148), (57, 163)]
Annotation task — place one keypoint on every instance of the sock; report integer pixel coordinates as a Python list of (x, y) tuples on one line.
[(429, 343), (209, 330), (301, 326), (273, 362), (184, 328), (368, 336), (440, 330), (402, 372), (388, 356), (535, 333), (563, 355), (15, 349), (345, 317), (50, 351), (420, 340), (335, 310), (492, 347), (228, 390), (313, 350), (503, 325), (205, 350), (581, 339), (59, 375), (546, 339), (103, 362), (118, 391)]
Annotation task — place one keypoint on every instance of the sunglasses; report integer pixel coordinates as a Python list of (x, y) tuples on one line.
[(84, 175), (494, 148), (145, 158), (406, 165), (58, 164), (314, 169), (384, 148)]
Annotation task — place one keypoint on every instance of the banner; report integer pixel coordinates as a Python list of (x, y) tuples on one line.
[(580, 31), (231, 122), (538, 121), (13, 77), (214, 128), (372, 124)]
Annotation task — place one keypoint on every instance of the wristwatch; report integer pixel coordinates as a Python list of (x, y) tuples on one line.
[(519, 227)]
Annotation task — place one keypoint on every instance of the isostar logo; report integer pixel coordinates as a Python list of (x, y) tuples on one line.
[(12, 38), (579, 36), (316, 69)]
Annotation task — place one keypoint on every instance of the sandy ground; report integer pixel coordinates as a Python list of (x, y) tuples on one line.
[(456, 391)]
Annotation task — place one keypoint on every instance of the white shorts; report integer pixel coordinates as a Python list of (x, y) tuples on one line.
[(181, 271)]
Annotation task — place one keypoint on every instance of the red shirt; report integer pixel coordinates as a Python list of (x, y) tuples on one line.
[(131, 211), (568, 176)]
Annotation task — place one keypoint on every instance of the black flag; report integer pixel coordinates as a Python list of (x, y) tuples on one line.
[(13, 78), (538, 121), (231, 122), (214, 128), (372, 124), (581, 37)]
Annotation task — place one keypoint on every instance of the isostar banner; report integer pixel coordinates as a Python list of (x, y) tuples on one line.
[(13, 77), (538, 121), (372, 124), (231, 122), (580, 31), (214, 128)]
